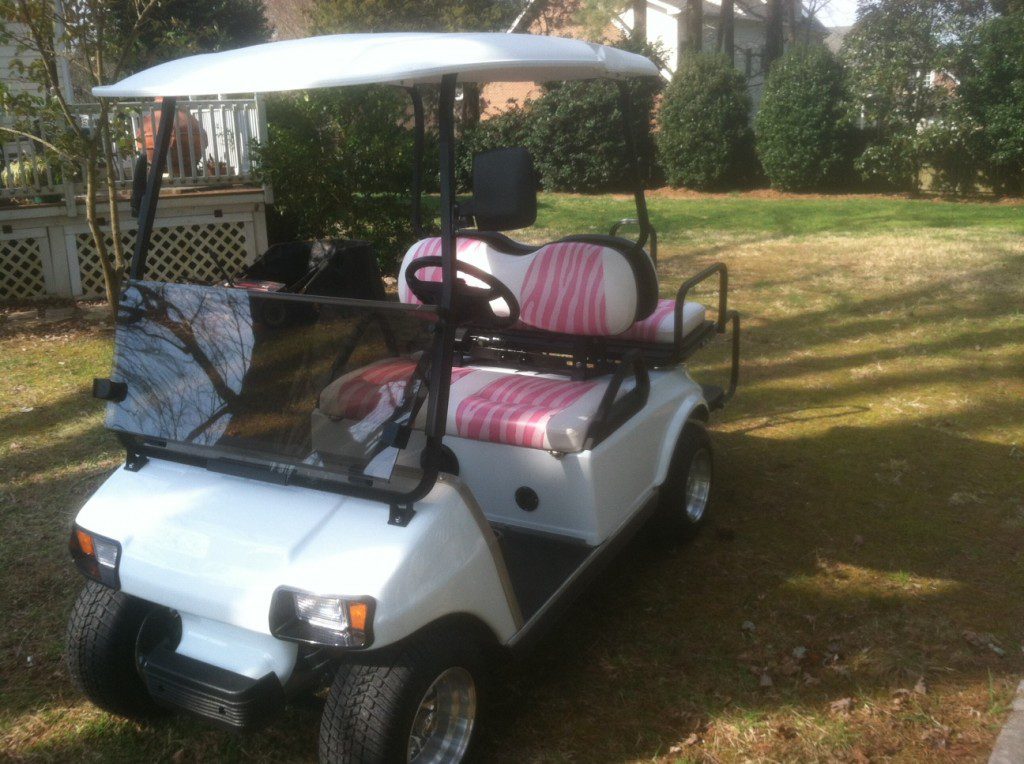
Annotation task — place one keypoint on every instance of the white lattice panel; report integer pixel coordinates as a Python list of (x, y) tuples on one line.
[(193, 252), (21, 268)]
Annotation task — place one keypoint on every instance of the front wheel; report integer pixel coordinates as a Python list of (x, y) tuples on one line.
[(102, 651), (684, 501), (418, 706)]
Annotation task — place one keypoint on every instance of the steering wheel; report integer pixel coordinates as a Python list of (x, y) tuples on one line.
[(472, 303)]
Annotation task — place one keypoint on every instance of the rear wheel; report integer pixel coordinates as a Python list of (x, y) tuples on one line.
[(102, 646), (420, 705), (684, 501)]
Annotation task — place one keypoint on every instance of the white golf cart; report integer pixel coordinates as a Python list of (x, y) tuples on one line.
[(373, 495)]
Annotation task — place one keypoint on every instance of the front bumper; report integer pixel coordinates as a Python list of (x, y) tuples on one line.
[(229, 700)]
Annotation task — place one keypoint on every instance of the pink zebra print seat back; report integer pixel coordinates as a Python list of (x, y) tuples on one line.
[(594, 286)]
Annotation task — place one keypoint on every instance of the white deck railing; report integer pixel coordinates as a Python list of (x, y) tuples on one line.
[(211, 146)]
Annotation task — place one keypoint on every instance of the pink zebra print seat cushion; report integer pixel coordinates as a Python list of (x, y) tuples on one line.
[(543, 411), (576, 286), (534, 411), (660, 326)]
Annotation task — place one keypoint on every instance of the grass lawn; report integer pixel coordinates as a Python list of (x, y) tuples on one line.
[(860, 597)]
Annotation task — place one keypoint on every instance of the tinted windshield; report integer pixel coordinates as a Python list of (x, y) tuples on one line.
[(318, 386)]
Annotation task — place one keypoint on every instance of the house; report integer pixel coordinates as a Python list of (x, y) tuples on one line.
[(211, 216), (666, 23), (837, 38)]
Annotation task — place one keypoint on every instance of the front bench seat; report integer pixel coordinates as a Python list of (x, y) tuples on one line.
[(527, 409)]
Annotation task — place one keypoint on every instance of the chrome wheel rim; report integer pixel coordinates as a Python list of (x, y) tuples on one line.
[(698, 486), (443, 724)]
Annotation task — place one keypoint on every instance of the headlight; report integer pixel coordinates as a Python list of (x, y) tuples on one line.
[(96, 556), (321, 620)]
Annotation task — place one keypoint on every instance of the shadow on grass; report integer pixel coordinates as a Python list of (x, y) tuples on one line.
[(875, 579)]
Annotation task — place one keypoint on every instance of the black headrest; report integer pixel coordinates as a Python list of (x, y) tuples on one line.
[(504, 190)]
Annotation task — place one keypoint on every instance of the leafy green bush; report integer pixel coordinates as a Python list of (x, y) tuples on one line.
[(948, 147), (576, 133), (340, 162), (511, 128), (577, 138), (705, 140), (889, 53), (891, 159), (991, 94), (804, 128)]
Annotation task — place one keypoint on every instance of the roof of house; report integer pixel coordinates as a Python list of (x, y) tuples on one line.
[(393, 59), (837, 37)]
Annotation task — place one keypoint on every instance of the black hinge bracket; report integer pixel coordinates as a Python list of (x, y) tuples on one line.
[(400, 514), (135, 461), (108, 390)]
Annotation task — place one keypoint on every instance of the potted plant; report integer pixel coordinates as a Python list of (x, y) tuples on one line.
[(30, 174)]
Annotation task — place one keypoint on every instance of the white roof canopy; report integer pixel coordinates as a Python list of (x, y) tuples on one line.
[(393, 59)]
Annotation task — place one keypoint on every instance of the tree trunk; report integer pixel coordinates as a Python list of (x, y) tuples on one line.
[(774, 40), (691, 26), (111, 276), (639, 20), (470, 104), (111, 183), (727, 30), (792, 19)]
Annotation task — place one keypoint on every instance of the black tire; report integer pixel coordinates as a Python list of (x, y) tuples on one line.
[(101, 639), (371, 707), (673, 516)]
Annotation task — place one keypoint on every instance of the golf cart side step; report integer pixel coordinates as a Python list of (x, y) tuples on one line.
[(227, 699), (538, 564)]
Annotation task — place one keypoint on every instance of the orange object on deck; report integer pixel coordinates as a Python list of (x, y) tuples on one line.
[(188, 136)]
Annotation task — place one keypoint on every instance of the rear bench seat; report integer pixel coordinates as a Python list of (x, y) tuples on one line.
[(591, 285), (594, 286)]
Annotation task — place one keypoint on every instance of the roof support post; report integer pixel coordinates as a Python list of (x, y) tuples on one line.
[(446, 128), (147, 210), (633, 155), (417, 159), (444, 345)]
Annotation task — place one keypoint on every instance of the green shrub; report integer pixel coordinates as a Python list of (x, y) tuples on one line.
[(991, 94), (891, 159), (948, 147), (888, 54), (705, 140), (804, 129), (511, 128), (577, 137), (340, 162)]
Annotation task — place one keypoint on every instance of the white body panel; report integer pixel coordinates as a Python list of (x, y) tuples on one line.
[(388, 59), (216, 547), (587, 495)]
